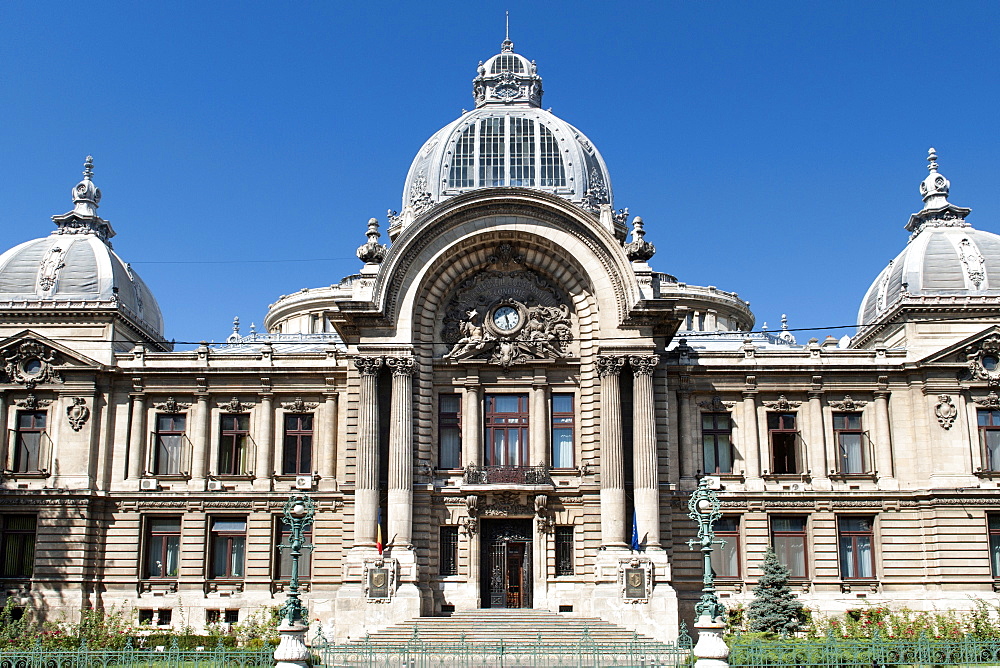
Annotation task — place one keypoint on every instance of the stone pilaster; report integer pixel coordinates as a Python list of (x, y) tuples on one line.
[(612, 469), (137, 438), (644, 460), (264, 466), (883, 437), (819, 466), (401, 453), (472, 431), (199, 437), (327, 455), (751, 437), (539, 424), (366, 473)]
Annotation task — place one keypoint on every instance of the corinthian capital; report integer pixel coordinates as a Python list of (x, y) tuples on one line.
[(644, 364), (610, 365), (401, 366), (368, 366)]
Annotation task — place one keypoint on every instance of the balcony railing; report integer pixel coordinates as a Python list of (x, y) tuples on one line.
[(507, 475)]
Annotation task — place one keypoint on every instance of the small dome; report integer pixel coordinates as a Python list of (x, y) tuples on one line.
[(76, 267), (945, 255), (508, 141)]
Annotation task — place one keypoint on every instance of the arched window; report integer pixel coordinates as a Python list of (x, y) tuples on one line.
[(506, 151), (552, 174), (507, 63), (463, 166)]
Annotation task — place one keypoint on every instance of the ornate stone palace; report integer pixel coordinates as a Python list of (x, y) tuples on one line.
[(506, 407)]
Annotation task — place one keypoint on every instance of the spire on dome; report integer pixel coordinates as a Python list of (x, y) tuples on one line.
[(507, 46), (83, 219), (937, 211)]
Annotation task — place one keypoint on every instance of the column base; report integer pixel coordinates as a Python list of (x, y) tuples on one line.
[(291, 651)]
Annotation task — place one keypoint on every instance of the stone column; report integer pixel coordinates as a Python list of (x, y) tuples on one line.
[(137, 438), (327, 455), (883, 438), (612, 472), (644, 459), (472, 430), (751, 437), (539, 425), (199, 437), (401, 453), (818, 464), (366, 473), (264, 466)]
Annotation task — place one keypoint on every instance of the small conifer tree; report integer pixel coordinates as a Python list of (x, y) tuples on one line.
[(774, 608)]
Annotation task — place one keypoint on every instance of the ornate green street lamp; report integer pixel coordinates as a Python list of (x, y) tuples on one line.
[(705, 509), (291, 651)]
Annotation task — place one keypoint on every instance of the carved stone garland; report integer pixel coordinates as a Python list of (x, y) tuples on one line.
[(991, 401), (299, 406), (171, 406), (716, 405), (234, 405), (848, 404), (782, 404)]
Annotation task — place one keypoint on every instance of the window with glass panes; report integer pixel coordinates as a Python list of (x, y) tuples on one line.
[(297, 453), (448, 550), (506, 150), (449, 431), (993, 527), (169, 443), (163, 544), (784, 435), (506, 418), (29, 441), (726, 558), (233, 437), (492, 152), (717, 443), (788, 537), (564, 550), (228, 543), (856, 538), (851, 453), (562, 431), (17, 545), (283, 540), (462, 172), (989, 438)]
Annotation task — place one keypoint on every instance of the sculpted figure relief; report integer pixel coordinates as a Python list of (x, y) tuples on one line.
[(472, 338)]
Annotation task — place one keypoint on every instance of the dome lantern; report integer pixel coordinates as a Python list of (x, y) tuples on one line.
[(937, 211), (83, 219)]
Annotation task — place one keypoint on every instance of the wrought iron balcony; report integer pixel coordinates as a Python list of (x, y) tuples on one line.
[(507, 475)]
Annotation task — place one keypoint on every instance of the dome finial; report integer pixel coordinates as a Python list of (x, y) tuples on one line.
[(932, 159), (934, 189), (86, 196), (507, 46)]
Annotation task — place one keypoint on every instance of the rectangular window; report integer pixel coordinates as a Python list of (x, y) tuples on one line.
[(522, 151), (283, 540), (851, 455), (169, 443), (29, 442), (235, 432), (506, 430), (163, 544), (228, 538), (717, 442), (552, 172), (463, 174), (562, 431), (17, 545), (993, 523), (449, 431), (855, 537), (297, 454), (989, 438), (788, 537), (564, 550), (492, 152), (448, 551), (784, 437), (726, 558)]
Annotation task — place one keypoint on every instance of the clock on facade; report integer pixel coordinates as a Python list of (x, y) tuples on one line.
[(506, 318)]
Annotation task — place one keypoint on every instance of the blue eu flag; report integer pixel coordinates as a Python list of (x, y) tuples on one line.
[(635, 533)]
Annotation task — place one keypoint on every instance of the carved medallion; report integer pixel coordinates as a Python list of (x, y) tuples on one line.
[(945, 411), (78, 413), (30, 363)]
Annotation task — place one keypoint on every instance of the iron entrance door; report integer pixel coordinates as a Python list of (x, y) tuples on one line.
[(506, 577)]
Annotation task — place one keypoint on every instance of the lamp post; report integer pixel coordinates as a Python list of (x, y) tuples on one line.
[(704, 508), (291, 651)]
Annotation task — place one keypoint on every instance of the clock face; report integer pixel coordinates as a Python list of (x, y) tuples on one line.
[(506, 318)]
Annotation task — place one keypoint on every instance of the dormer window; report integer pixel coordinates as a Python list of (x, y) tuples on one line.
[(507, 63)]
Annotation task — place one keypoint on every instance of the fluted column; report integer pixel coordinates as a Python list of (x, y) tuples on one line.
[(265, 453), (199, 437), (883, 438), (472, 430), (137, 438), (401, 452), (612, 471), (751, 438), (818, 464), (366, 473), (644, 460), (328, 442)]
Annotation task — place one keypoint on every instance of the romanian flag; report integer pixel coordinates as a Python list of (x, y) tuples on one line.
[(378, 531)]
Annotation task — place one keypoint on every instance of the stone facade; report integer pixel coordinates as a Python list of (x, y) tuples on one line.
[(497, 410)]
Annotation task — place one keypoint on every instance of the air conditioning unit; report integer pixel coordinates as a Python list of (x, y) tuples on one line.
[(713, 482), (148, 484), (215, 485), (303, 482)]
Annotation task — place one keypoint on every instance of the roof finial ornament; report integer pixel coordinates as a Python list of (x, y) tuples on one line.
[(937, 211), (86, 195), (934, 189), (507, 46), (785, 335), (639, 250), (932, 158), (235, 336), (372, 252)]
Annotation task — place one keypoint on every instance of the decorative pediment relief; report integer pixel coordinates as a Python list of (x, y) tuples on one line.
[(29, 362), (782, 404), (299, 406), (983, 360), (512, 332), (991, 401), (848, 404), (234, 405), (171, 406), (716, 405)]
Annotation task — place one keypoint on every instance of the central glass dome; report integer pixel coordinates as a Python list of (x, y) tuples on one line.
[(508, 140)]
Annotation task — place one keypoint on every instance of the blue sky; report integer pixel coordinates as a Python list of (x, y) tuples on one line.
[(773, 148)]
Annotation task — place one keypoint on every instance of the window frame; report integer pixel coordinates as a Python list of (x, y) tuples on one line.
[(714, 433), (570, 426), (495, 422), (803, 534), (449, 422), (181, 435), (733, 541), (18, 443), (282, 536), (149, 534), (993, 419), (855, 535), (448, 550), (23, 551), (292, 440), (782, 431), (993, 538), (564, 540), (839, 432), (238, 444), (229, 536)]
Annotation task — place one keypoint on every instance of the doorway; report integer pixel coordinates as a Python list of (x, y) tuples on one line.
[(507, 563)]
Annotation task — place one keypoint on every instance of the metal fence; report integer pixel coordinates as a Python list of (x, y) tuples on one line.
[(166, 656), (874, 652)]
